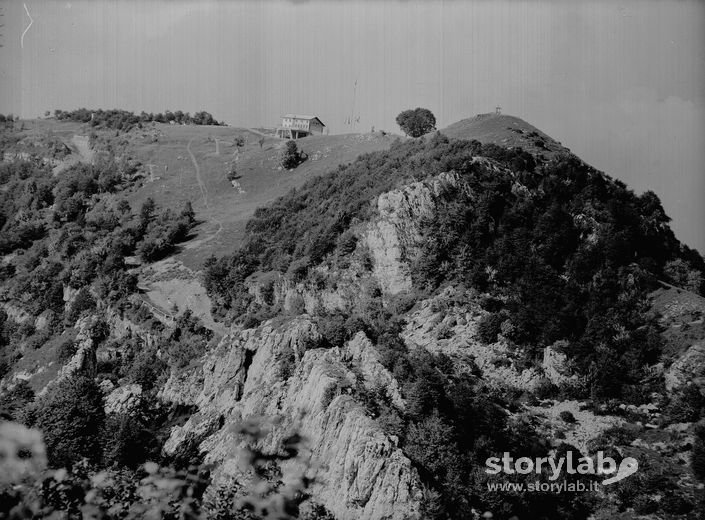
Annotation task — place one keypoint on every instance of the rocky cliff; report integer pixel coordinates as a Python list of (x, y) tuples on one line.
[(271, 374), (266, 374), (393, 237)]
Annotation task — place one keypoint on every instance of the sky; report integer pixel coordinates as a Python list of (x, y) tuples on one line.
[(621, 83)]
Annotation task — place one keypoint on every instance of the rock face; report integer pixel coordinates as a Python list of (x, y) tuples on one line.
[(394, 234), (555, 366), (84, 361), (364, 355), (123, 400), (392, 238), (15, 313), (447, 324), (44, 320), (267, 372), (681, 315), (690, 367)]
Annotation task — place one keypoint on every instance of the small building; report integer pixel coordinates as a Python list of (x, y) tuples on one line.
[(296, 126)]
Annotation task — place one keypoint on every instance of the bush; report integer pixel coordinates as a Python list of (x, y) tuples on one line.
[(65, 351), (329, 394), (128, 442), (161, 234), (145, 368), (567, 417), (687, 405), (83, 303), (683, 275), (299, 269), (489, 327), (38, 340), (187, 342), (676, 504), (14, 401), (71, 418), (545, 389), (333, 329), (347, 243)]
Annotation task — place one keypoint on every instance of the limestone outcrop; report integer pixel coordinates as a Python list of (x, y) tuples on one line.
[(267, 374), (123, 400), (393, 235), (688, 368)]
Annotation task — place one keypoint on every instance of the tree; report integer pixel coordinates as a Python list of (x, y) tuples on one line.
[(698, 458), (14, 401), (188, 214), (291, 157), (416, 122), (71, 417), (127, 441), (147, 212)]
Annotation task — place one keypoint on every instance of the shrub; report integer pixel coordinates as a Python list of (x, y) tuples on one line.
[(489, 327), (332, 328), (128, 442), (83, 303), (188, 341), (491, 304), (164, 232), (145, 368), (347, 242), (299, 269), (71, 418), (65, 351), (287, 365), (545, 389), (687, 405), (676, 504), (567, 417), (615, 436), (14, 401), (38, 340), (328, 395)]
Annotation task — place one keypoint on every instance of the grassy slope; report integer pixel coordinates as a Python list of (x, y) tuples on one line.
[(222, 209), (170, 172), (503, 130)]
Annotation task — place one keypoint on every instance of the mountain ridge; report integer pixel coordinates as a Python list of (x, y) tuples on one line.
[(408, 314), (505, 130)]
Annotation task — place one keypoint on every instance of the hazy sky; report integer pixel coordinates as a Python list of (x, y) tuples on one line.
[(621, 83)]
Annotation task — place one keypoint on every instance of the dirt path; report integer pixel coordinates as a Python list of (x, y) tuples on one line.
[(84, 148), (257, 132), (85, 154), (201, 184), (193, 244), (204, 193)]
